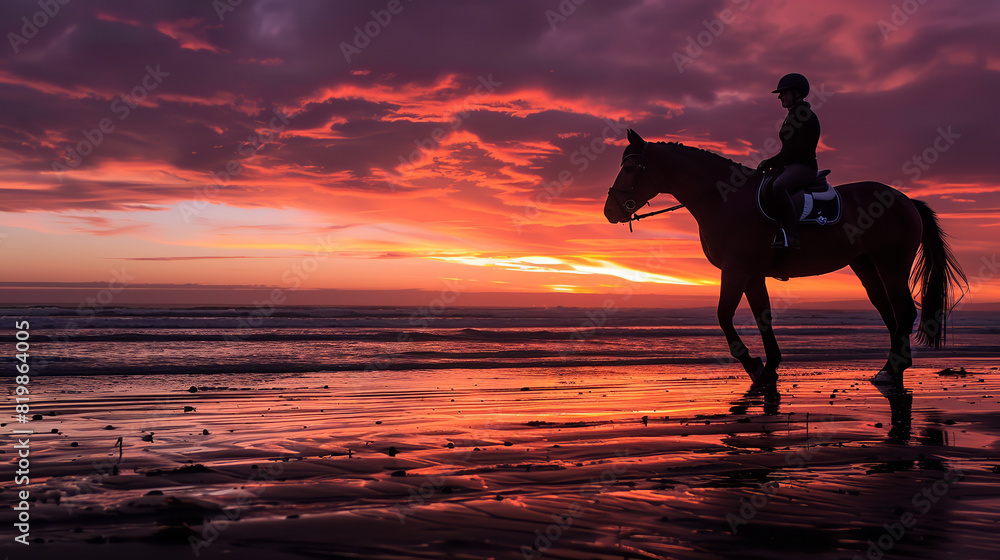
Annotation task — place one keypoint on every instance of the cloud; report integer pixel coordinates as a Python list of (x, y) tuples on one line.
[(447, 127)]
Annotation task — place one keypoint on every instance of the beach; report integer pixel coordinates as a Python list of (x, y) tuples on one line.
[(592, 450)]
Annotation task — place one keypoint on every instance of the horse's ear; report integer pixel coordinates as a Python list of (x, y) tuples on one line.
[(633, 137)]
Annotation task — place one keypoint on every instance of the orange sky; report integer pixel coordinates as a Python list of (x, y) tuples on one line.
[(182, 146)]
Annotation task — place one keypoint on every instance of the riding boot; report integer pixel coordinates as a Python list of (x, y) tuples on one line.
[(788, 232)]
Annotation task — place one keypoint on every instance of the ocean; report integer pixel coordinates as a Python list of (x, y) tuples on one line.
[(399, 433), (166, 341)]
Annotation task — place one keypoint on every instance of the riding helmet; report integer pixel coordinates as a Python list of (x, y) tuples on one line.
[(789, 81)]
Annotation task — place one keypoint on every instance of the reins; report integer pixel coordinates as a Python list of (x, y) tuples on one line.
[(637, 217)]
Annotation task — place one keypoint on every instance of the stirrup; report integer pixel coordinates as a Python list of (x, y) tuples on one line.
[(782, 241)]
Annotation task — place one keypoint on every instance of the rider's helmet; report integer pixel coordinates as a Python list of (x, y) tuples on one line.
[(796, 81)]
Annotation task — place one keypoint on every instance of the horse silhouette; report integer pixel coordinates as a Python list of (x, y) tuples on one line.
[(879, 233)]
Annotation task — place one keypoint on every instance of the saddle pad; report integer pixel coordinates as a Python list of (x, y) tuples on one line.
[(821, 210)]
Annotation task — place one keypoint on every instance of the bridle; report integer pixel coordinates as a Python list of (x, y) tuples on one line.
[(629, 206)]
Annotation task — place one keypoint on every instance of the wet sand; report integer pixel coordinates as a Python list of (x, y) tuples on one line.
[(652, 461)]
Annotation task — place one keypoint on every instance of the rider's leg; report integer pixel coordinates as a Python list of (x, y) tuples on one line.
[(794, 178)]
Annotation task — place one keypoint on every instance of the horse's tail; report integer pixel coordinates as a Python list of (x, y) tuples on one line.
[(936, 276)]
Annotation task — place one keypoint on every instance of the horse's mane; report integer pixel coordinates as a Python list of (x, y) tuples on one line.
[(702, 154), (699, 155)]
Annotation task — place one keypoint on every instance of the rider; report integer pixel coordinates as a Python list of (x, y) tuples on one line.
[(799, 137)]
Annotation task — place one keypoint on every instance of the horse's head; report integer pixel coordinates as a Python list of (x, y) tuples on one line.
[(632, 187)]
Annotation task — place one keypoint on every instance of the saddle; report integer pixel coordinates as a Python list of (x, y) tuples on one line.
[(818, 203)]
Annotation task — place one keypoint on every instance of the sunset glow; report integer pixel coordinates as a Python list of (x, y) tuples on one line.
[(189, 147), (549, 264)]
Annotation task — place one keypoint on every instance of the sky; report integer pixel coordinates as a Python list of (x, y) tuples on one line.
[(203, 151)]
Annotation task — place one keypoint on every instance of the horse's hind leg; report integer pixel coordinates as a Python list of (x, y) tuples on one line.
[(895, 273), (865, 269), (760, 304)]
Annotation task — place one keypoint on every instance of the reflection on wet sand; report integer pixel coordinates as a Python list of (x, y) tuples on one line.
[(901, 410), (765, 395), (648, 462)]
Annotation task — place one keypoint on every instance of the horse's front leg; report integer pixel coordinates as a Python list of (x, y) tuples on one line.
[(760, 304), (733, 285)]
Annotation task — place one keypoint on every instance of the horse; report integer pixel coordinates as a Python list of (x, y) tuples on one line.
[(880, 234)]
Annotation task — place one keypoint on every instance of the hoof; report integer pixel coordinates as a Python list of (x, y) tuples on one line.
[(754, 366), (885, 378), (763, 376)]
